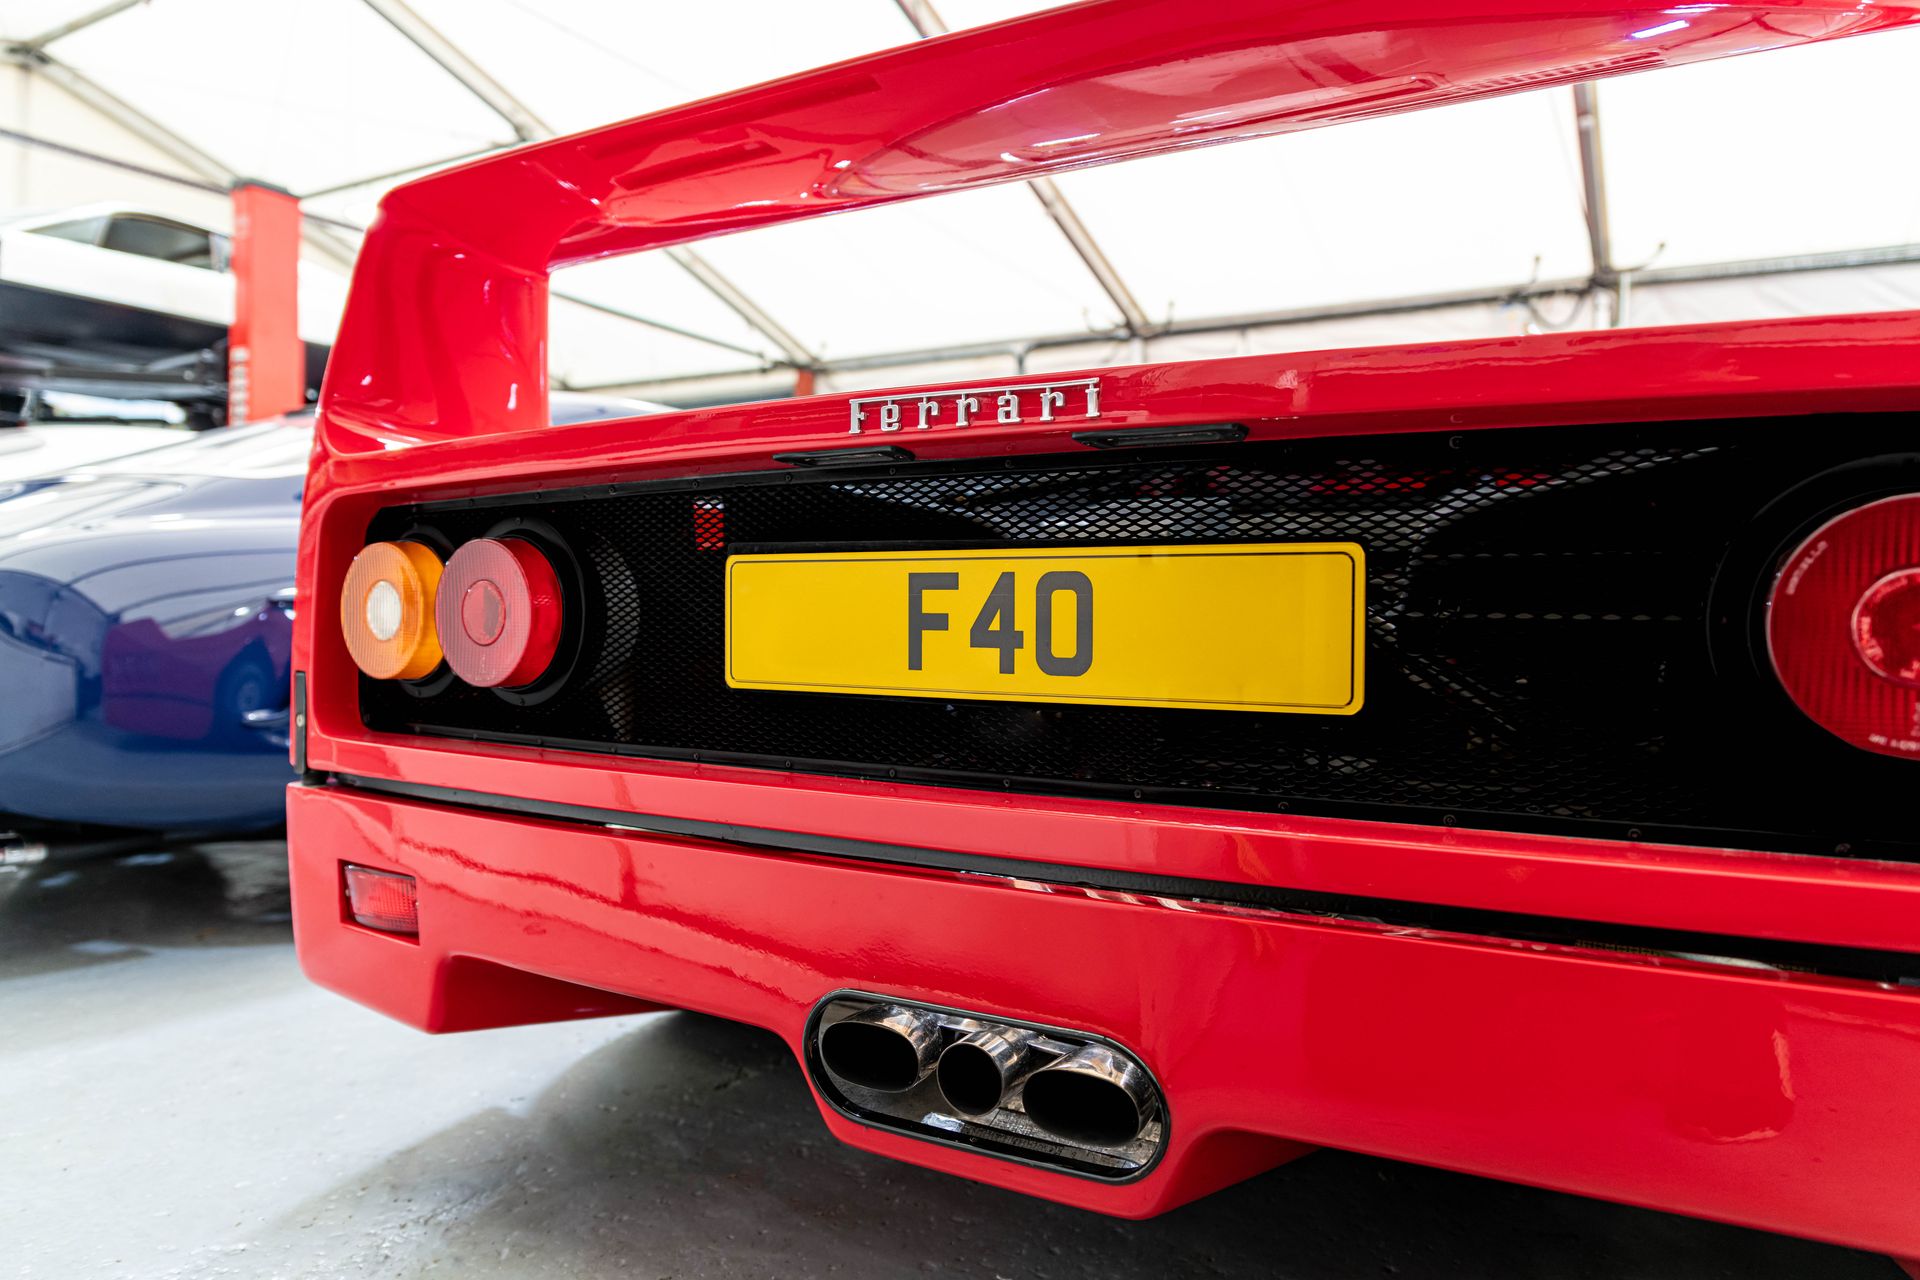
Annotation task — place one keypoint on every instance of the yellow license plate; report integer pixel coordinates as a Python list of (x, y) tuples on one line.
[(1247, 627)]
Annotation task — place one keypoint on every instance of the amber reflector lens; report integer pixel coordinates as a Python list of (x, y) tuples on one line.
[(1843, 626), (499, 612), (386, 610)]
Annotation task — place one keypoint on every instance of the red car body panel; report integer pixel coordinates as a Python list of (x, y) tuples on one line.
[(1775, 1099), (1751, 1098)]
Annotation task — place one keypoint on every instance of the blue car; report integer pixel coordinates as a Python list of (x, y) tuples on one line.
[(145, 630)]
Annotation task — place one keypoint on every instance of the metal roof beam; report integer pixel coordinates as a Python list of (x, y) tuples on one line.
[(471, 76), (529, 127), (122, 113), (80, 23), (394, 174), (1054, 201), (1210, 324), (1750, 268), (674, 329), (321, 233), (205, 185), (1841, 260), (1571, 287), (928, 22), (792, 350), (158, 136), (1593, 192)]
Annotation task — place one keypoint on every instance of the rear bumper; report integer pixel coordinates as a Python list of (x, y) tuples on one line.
[(1790, 1103)]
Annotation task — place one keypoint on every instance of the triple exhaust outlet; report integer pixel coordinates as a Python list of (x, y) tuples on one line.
[(1058, 1096)]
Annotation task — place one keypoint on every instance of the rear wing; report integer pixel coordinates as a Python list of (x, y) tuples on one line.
[(445, 330)]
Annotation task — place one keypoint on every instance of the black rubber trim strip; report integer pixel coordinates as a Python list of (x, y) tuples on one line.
[(1115, 461), (1219, 801), (857, 456), (1157, 437), (1812, 957), (300, 722)]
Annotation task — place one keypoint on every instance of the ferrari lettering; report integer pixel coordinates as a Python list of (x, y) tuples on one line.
[(1078, 398)]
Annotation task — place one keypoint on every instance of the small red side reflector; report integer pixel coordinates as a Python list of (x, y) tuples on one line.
[(710, 524), (383, 900)]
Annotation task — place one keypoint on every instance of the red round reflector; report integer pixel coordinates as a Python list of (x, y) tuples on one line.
[(1886, 627), (1843, 626), (498, 612)]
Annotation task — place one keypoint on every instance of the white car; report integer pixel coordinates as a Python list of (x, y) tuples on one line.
[(113, 300), (54, 448)]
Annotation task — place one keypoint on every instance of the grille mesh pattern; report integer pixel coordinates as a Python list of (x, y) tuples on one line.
[(1537, 627)]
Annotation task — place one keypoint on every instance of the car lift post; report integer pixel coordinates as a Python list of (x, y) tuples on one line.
[(266, 361)]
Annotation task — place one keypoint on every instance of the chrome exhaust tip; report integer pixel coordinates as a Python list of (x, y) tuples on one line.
[(1048, 1096), (887, 1047), (977, 1071), (1095, 1096)]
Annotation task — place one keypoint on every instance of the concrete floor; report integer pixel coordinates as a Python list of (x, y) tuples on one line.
[(175, 1101)]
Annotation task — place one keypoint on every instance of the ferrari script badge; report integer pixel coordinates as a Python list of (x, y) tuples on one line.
[(1027, 402)]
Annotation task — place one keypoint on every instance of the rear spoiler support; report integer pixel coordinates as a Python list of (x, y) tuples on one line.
[(445, 332)]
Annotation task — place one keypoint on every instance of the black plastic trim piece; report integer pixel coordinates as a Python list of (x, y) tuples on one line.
[(1223, 801), (1145, 437), (1839, 841), (424, 508), (300, 721), (1813, 957), (858, 456)]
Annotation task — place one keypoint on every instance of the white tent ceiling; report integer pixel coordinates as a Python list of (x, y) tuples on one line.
[(1793, 153)]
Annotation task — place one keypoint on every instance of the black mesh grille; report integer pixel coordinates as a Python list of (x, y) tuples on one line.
[(1541, 651)]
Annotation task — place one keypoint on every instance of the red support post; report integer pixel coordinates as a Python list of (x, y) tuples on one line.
[(266, 361)]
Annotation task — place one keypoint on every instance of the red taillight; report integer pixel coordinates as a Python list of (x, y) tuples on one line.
[(499, 612), (383, 900), (1843, 626), (1886, 627)]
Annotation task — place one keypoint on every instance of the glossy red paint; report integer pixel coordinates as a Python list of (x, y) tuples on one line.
[(445, 332), (1780, 1101)]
